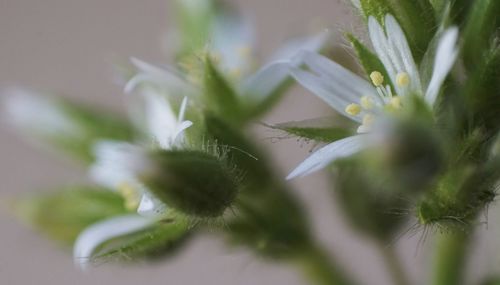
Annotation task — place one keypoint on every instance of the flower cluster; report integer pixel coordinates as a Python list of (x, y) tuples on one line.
[(423, 144)]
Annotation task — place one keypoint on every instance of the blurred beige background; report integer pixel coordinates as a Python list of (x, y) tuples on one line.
[(68, 46)]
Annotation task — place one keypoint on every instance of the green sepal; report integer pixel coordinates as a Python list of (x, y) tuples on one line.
[(267, 217), (220, 97), (240, 150), (162, 239), (481, 28), (377, 9), (194, 22), (460, 195), (417, 19), (369, 201), (369, 61), (64, 214), (196, 183), (319, 130), (481, 95)]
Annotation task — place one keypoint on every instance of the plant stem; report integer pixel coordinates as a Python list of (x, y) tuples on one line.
[(320, 268), (394, 265), (450, 259)]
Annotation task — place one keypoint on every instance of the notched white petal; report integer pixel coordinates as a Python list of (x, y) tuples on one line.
[(446, 55), (95, 235), (328, 154)]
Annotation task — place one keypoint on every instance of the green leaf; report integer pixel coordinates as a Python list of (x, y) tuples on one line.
[(369, 61), (64, 214), (320, 130), (163, 238), (481, 28), (220, 97)]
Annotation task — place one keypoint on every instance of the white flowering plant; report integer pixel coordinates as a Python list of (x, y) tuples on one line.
[(421, 152)]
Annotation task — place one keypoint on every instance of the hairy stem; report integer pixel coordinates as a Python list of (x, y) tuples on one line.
[(450, 258)]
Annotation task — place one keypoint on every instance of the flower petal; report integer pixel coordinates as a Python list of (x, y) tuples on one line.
[(383, 48), (402, 52), (167, 79), (331, 82), (161, 119), (446, 54), (265, 81), (328, 154), (117, 163), (272, 75), (96, 234), (293, 47)]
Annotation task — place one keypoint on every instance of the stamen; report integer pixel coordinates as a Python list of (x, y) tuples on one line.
[(377, 78), (368, 120), (402, 79), (396, 102), (130, 196), (367, 102), (353, 109)]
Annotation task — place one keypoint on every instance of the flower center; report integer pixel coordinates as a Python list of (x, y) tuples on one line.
[(384, 99)]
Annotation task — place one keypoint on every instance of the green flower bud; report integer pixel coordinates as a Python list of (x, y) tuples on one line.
[(196, 183)]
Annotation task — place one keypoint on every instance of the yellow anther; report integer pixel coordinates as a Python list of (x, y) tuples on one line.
[(130, 196), (402, 79), (377, 78), (244, 51), (367, 102), (396, 102), (368, 120), (353, 109)]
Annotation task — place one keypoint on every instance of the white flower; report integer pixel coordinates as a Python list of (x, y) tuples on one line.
[(364, 101), (118, 164), (98, 233), (34, 113), (257, 86)]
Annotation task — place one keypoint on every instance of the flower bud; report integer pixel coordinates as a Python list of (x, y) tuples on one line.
[(194, 182)]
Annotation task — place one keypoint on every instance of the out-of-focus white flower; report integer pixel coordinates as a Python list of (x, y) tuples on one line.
[(33, 113), (363, 101), (234, 59), (119, 164)]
